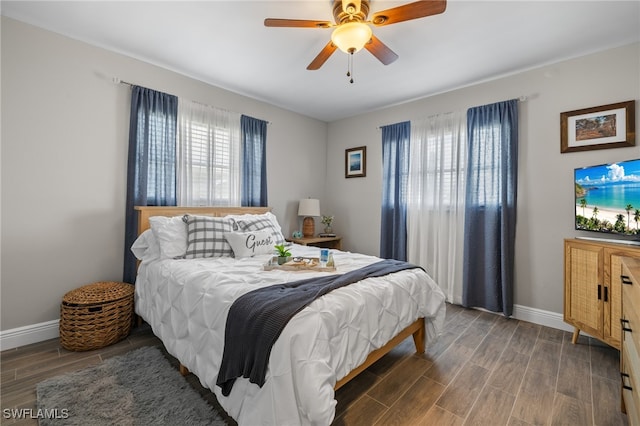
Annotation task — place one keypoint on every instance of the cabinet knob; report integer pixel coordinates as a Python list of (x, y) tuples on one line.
[(625, 325), (625, 376), (626, 280)]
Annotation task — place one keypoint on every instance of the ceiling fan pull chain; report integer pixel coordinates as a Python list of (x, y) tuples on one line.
[(350, 67)]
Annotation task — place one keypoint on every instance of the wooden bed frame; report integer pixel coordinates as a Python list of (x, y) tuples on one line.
[(416, 329)]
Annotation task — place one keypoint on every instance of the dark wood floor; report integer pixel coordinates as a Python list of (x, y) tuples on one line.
[(483, 370)]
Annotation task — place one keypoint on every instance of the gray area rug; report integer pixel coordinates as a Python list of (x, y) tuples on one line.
[(138, 388)]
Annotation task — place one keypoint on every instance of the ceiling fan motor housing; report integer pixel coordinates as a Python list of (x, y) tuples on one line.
[(349, 11)]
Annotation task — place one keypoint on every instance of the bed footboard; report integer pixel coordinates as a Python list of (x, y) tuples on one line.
[(416, 329)]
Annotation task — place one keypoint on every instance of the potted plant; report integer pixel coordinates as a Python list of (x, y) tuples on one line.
[(326, 220), (283, 253)]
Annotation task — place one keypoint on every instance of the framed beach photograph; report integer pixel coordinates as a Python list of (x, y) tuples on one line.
[(601, 127), (355, 162)]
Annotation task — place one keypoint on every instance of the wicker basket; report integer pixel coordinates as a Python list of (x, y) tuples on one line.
[(96, 315)]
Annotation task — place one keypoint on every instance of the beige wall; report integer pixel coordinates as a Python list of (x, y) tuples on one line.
[(545, 181), (64, 149), (64, 154)]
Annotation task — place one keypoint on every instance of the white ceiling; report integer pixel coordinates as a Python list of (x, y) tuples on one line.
[(225, 43)]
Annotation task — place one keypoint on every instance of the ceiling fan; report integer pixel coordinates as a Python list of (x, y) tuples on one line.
[(352, 30)]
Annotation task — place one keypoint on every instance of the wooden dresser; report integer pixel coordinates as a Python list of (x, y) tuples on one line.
[(592, 290), (630, 325)]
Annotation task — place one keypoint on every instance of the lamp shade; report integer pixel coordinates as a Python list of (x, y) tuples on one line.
[(309, 207), (351, 37)]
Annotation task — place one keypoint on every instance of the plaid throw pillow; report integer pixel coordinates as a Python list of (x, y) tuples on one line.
[(259, 222), (205, 236)]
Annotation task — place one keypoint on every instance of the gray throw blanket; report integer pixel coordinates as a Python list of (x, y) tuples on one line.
[(257, 318)]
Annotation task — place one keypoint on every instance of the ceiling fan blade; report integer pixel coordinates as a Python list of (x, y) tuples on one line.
[(380, 51), (296, 23), (406, 12), (322, 56)]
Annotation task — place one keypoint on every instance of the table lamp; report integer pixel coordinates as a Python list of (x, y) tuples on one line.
[(309, 207)]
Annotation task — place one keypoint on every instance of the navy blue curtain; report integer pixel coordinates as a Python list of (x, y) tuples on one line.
[(254, 162), (395, 175), (490, 207), (151, 170)]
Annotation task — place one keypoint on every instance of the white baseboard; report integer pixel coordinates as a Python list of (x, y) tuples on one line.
[(35, 333), (29, 334), (541, 317)]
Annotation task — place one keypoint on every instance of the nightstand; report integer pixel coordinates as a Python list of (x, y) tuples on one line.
[(324, 242)]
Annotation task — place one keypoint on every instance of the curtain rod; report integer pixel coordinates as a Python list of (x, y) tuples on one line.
[(521, 98), (116, 80)]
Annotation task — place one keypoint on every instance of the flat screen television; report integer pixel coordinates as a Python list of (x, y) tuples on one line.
[(608, 198)]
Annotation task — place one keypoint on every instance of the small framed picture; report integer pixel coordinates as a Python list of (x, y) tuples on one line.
[(355, 162), (606, 126)]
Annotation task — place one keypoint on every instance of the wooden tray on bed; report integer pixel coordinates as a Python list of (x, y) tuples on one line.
[(298, 264)]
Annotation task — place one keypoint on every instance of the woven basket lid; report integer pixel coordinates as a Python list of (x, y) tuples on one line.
[(99, 292)]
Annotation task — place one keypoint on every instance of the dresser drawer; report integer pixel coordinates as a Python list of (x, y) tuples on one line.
[(630, 277), (630, 321), (630, 389), (630, 325)]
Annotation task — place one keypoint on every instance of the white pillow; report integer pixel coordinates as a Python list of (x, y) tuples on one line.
[(247, 244), (145, 247), (171, 233)]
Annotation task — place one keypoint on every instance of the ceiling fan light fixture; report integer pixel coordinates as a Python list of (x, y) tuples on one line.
[(351, 36)]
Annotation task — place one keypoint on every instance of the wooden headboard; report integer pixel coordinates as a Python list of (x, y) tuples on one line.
[(145, 212)]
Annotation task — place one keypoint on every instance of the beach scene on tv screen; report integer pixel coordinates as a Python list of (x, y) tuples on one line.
[(608, 198)]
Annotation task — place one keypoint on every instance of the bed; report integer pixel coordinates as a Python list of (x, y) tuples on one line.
[(330, 341)]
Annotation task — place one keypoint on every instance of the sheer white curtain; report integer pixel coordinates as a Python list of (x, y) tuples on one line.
[(208, 166), (435, 210)]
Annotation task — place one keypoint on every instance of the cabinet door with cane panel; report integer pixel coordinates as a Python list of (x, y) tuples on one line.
[(592, 290)]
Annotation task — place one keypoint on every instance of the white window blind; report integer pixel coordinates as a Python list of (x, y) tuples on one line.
[(438, 157), (208, 156)]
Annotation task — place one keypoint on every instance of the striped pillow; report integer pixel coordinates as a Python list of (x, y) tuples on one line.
[(258, 222), (205, 236)]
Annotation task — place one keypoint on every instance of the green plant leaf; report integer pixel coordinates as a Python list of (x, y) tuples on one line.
[(282, 250)]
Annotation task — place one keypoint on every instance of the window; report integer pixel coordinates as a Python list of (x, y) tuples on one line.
[(441, 168), (208, 156), (437, 162)]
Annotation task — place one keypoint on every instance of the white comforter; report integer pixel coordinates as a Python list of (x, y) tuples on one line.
[(186, 303)]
